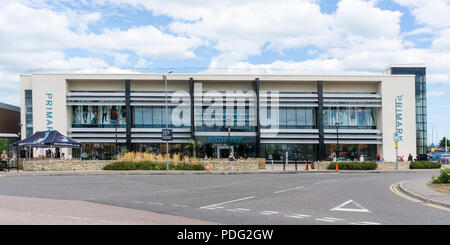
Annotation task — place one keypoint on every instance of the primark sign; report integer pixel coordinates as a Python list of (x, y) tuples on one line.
[(399, 113)]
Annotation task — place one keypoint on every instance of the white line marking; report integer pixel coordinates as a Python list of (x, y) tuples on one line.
[(136, 201), (295, 188), (326, 220), (155, 203), (340, 207), (269, 212), (237, 200), (330, 218), (179, 205), (326, 181), (238, 210), (369, 223), (297, 216)]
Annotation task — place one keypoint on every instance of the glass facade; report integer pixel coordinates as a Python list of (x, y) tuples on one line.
[(102, 116), (211, 119), (350, 117), (28, 112), (421, 104), (295, 118), (351, 152), (296, 152)]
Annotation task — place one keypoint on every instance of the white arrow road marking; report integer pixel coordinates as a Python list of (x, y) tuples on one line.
[(341, 207), (212, 206)]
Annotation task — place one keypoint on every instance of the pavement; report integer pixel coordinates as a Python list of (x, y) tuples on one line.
[(38, 211), (417, 188)]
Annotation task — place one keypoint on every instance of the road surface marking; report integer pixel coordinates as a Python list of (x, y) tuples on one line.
[(239, 210), (326, 220), (136, 201), (393, 188), (269, 212), (330, 218), (295, 188), (297, 216), (179, 205), (369, 223), (217, 204), (155, 203), (326, 181), (340, 207), (364, 223)]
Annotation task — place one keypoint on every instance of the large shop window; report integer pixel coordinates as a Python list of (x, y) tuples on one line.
[(296, 118), (212, 120), (350, 117), (86, 116), (151, 117)]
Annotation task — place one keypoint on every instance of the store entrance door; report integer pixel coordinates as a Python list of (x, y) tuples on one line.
[(223, 151)]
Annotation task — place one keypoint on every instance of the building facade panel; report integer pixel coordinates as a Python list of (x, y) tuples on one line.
[(300, 114)]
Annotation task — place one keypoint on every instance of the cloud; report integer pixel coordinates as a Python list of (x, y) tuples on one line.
[(435, 93), (431, 13)]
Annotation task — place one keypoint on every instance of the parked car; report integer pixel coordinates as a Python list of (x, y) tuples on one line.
[(445, 159)]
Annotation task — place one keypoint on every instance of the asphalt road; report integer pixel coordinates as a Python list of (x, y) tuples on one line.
[(306, 198)]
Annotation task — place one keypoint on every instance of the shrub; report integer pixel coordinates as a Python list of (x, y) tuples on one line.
[(443, 178), (353, 165), (424, 164), (148, 165)]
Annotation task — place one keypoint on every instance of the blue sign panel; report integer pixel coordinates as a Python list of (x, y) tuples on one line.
[(167, 135)]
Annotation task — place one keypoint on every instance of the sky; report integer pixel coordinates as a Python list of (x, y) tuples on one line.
[(229, 36)]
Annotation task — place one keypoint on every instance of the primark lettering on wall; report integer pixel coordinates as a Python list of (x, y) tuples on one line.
[(49, 111), (398, 117), (249, 115)]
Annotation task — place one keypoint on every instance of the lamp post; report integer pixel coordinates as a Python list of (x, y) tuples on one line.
[(167, 120), (229, 142), (115, 130), (337, 141)]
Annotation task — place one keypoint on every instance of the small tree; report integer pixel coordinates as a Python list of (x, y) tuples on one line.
[(193, 145)]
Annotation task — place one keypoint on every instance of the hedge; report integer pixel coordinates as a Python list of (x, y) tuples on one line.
[(353, 165), (424, 164), (443, 178), (147, 165)]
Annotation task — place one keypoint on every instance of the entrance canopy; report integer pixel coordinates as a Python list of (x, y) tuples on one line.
[(47, 139)]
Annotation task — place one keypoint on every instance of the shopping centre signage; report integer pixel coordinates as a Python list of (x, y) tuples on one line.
[(399, 132), (49, 111)]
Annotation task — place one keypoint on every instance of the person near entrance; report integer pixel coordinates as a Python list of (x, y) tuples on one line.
[(231, 157)]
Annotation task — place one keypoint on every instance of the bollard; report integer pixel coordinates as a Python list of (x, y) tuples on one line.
[(306, 166), (295, 165)]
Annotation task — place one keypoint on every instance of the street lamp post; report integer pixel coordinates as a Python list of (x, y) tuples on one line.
[(337, 141), (229, 138), (115, 131), (167, 121)]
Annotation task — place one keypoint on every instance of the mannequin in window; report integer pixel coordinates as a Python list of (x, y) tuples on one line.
[(104, 114), (114, 113)]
